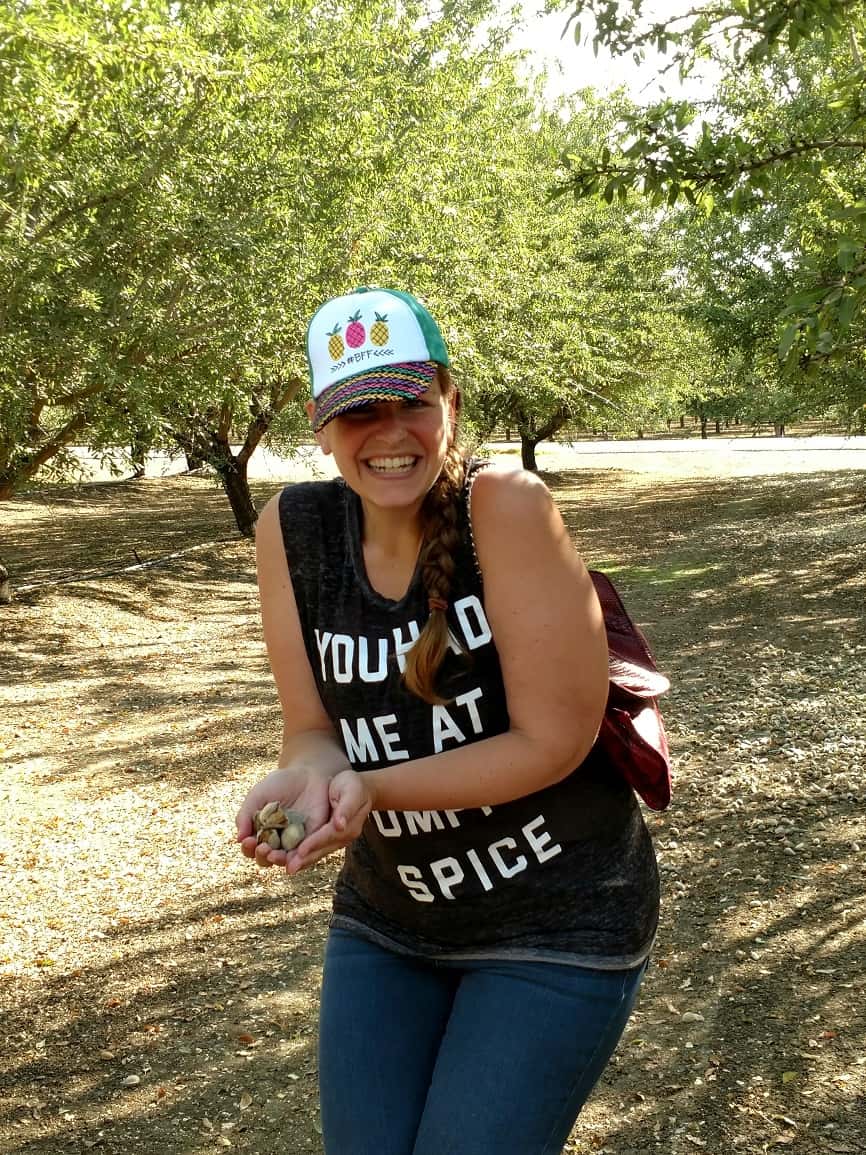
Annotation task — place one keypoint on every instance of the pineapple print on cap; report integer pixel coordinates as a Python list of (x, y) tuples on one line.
[(335, 343), (355, 333), (379, 329), (369, 345)]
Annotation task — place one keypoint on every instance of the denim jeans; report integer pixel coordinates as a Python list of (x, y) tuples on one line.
[(460, 1058)]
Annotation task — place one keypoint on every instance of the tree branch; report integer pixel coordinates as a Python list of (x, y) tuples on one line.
[(714, 172), (855, 48), (147, 177), (556, 421), (262, 422), (30, 464), (78, 395), (225, 424), (767, 20)]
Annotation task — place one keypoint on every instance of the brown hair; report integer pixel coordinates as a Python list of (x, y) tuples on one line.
[(440, 513)]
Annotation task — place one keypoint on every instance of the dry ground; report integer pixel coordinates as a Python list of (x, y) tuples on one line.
[(159, 994)]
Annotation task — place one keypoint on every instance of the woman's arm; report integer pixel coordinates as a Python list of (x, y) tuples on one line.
[(550, 635)]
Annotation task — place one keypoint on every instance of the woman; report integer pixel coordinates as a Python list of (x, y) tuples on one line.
[(440, 657)]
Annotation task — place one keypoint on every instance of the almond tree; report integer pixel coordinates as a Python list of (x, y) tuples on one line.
[(577, 322), (758, 276), (559, 313), (185, 183), (788, 112)]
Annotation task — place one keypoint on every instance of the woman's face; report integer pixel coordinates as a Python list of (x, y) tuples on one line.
[(392, 452)]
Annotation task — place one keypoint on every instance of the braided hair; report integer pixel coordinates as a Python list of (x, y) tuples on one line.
[(441, 536)]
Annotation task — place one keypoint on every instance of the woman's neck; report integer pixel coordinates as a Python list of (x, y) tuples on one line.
[(391, 542), (391, 532)]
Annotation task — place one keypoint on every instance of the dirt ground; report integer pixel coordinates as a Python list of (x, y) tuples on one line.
[(159, 994)]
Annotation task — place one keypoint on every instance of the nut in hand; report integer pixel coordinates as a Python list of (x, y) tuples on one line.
[(293, 832), (269, 817), (280, 829)]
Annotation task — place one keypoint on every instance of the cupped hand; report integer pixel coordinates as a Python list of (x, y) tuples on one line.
[(350, 800), (295, 788)]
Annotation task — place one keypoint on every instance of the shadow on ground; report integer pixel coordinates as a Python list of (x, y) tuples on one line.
[(171, 1035)]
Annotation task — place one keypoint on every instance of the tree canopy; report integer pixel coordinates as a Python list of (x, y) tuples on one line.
[(183, 183), (785, 130)]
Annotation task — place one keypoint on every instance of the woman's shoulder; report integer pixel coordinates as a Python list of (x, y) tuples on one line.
[(501, 493)]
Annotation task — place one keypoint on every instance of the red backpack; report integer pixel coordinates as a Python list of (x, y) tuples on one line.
[(632, 736)]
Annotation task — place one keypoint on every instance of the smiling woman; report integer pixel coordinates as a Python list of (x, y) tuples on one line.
[(391, 452), (441, 660)]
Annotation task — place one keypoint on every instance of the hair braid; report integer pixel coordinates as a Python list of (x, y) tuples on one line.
[(440, 512)]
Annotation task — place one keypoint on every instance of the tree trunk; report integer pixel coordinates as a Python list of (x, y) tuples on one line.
[(193, 461), (207, 438), (233, 475), (138, 456), (527, 452), (779, 429), (703, 428), (682, 421), (530, 437), (718, 426), (5, 587), (640, 435)]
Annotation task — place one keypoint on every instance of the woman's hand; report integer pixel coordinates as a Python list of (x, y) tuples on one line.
[(300, 788), (350, 801)]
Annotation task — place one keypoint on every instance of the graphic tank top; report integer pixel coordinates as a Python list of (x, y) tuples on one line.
[(566, 874)]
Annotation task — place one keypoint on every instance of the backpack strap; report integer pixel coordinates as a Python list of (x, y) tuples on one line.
[(632, 737)]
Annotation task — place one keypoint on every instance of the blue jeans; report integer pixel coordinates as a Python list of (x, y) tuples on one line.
[(460, 1058)]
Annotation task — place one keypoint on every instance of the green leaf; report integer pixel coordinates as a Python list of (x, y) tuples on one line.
[(847, 310), (789, 336)]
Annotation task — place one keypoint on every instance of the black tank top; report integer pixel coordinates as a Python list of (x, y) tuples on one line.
[(566, 873)]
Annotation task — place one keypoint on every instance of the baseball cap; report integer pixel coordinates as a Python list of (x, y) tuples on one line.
[(370, 345)]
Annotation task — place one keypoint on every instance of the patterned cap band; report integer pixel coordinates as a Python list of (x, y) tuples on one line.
[(384, 383), (370, 345)]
